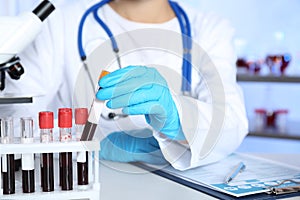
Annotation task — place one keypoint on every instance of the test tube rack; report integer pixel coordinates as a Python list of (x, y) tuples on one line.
[(92, 192)]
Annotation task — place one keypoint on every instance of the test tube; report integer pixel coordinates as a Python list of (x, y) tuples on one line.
[(28, 182), (8, 160), (65, 135), (46, 124), (81, 115)]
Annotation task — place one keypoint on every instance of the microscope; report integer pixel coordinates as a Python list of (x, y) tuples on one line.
[(16, 33)]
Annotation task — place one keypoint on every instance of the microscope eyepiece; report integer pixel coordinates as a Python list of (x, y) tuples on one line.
[(43, 10)]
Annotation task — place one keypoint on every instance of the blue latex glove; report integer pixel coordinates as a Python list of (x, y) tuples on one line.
[(141, 90), (122, 147)]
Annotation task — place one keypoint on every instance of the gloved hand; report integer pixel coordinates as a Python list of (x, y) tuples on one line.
[(141, 90), (122, 147)]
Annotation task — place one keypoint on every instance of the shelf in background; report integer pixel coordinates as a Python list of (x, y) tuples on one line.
[(292, 131), (268, 78)]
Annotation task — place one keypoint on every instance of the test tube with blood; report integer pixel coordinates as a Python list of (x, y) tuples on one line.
[(28, 182), (81, 115), (65, 158), (8, 161), (46, 125)]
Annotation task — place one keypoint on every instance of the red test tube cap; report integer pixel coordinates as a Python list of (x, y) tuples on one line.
[(46, 120), (65, 117), (81, 115)]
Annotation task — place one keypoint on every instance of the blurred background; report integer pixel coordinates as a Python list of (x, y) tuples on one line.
[(268, 47)]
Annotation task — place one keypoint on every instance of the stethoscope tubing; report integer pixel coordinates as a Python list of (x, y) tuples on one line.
[(81, 23), (186, 43)]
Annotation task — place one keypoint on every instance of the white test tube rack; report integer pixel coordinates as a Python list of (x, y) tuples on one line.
[(92, 192)]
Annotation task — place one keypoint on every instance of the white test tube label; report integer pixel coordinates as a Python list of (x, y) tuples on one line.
[(4, 163), (81, 157), (27, 161), (4, 140), (27, 158)]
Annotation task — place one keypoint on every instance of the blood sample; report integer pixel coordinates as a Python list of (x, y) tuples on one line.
[(65, 135), (28, 182), (8, 160), (46, 124), (81, 115)]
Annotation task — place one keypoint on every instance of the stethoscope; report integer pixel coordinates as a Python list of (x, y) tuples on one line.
[(185, 28)]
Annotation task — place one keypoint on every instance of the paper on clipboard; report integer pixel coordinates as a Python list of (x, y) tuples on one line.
[(259, 175)]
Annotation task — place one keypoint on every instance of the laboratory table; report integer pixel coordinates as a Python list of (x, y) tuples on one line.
[(126, 181)]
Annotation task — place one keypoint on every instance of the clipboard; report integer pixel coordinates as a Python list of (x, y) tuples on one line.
[(274, 192)]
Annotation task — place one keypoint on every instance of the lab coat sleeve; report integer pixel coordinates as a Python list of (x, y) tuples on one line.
[(214, 121)]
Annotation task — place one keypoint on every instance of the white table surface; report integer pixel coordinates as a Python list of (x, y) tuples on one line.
[(127, 182)]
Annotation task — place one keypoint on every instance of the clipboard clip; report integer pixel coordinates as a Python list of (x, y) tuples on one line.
[(277, 189)]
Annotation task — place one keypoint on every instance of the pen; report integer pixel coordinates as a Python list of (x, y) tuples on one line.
[(237, 169)]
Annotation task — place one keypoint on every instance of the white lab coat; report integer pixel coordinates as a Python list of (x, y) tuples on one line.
[(52, 67)]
